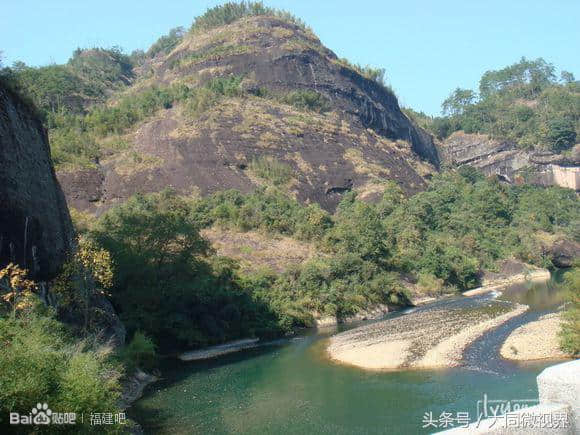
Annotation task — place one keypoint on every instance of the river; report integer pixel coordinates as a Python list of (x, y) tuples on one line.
[(291, 387)]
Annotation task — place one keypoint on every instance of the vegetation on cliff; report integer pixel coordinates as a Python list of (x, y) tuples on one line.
[(524, 102), (169, 283), (45, 360), (230, 12), (93, 103), (570, 333)]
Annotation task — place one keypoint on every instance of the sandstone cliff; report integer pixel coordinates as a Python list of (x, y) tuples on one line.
[(514, 165), (35, 226), (361, 141)]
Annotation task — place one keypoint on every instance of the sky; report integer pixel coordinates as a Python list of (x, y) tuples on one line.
[(428, 48)]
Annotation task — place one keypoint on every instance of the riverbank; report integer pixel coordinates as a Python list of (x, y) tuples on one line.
[(219, 350), (535, 340), (134, 387), (427, 338), (511, 272)]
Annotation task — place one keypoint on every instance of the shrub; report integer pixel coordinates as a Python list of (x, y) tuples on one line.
[(271, 169), (306, 99), (230, 12), (166, 43), (202, 99), (375, 74), (139, 353), (570, 333), (41, 362), (430, 284), (561, 134)]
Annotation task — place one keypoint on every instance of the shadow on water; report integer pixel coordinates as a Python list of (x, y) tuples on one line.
[(289, 387), (175, 372)]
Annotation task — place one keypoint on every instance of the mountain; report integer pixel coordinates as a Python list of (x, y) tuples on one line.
[(258, 101)]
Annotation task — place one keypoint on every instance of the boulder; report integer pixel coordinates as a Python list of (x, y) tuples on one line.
[(565, 252), (560, 384)]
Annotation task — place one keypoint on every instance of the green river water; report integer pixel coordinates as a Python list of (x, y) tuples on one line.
[(291, 387)]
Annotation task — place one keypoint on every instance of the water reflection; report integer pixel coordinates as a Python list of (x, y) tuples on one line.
[(539, 296), (290, 387)]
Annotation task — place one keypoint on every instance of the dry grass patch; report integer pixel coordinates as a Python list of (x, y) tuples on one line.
[(370, 189), (282, 33), (302, 164), (364, 167), (255, 250), (132, 162)]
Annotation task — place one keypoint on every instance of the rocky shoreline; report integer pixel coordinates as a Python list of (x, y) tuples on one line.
[(436, 337), (430, 338), (219, 350), (134, 387), (380, 353), (509, 272)]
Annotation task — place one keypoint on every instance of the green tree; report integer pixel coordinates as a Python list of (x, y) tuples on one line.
[(567, 77), (359, 230), (167, 284), (561, 134), (166, 43), (537, 74), (458, 101)]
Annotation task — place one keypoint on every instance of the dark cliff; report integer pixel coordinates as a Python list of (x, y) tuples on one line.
[(362, 140), (35, 226)]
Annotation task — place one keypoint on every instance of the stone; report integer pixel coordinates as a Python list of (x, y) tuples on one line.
[(505, 425), (364, 137), (565, 252), (561, 384), (35, 227)]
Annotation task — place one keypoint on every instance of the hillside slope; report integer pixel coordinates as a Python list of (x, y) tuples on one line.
[(293, 115)]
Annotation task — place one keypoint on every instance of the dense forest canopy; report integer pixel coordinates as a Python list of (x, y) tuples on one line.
[(170, 284)]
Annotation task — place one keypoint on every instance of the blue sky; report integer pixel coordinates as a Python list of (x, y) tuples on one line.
[(427, 47)]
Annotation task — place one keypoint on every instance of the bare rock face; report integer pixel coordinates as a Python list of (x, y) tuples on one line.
[(491, 156), (513, 165), (82, 188), (565, 252), (361, 141), (35, 226)]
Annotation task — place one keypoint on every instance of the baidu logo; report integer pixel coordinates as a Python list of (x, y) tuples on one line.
[(41, 414)]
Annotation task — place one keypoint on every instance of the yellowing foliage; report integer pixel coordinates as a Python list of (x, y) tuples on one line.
[(96, 261), (15, 287)]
